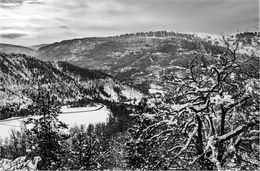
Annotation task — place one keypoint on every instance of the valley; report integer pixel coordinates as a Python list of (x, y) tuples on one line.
[(133, 96)]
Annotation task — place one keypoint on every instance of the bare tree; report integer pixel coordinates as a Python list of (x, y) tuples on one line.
[(210, 117)]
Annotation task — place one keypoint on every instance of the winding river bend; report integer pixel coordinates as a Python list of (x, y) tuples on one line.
[(72, 116)]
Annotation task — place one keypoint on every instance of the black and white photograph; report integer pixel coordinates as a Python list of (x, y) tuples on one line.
[(129, 85)]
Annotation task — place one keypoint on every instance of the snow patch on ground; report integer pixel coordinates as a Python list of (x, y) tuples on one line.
[(110, 91), (131, 94), (125, 69), (154, 89), (214, 38), (249, 50)]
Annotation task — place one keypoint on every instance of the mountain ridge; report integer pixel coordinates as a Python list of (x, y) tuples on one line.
[(135, 56), (10, 48)]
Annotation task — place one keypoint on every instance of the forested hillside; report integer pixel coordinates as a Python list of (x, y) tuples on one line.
[(22, 75)]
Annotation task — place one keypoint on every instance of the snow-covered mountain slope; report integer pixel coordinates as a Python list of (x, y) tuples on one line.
[(21, 74)]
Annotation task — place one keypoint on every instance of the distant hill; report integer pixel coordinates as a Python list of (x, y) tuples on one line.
[(9, 48), (128, 56), (36, 47)]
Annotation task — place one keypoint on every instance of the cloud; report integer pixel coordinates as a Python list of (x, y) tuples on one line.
[(9, 4), (19, 2), (64, 27), (12, 35), (55, 20)]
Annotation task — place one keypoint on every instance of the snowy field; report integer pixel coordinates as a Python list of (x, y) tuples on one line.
[(71, 116)]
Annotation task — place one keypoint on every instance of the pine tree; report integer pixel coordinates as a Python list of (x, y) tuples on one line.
[(46, 134), (17, 144), (84, 148)]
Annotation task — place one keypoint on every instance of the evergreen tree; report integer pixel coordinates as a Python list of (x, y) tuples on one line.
[(46, 134), (17, 144), (84, 148)]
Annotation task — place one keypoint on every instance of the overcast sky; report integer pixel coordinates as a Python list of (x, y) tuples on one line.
[(30, 22)]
